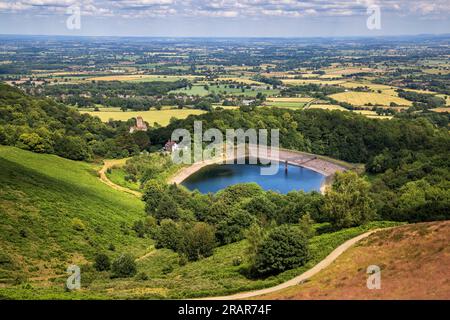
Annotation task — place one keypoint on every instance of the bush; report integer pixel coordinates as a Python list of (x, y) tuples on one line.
[(168, 235), (348, 203), (283, 249), (154, 191), (78, 225), (123, 267), (198, 241), (142, 276), (102, 262)]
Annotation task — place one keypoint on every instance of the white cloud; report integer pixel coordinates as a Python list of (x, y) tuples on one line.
[(229, 8)]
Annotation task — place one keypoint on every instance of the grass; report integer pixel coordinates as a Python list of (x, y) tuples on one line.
[(141, 78), (363, 98), (41, 198), (162, 117), (293, 105), (117, 176), (225, 89), (327, 107), (413, 261), (195, 90)]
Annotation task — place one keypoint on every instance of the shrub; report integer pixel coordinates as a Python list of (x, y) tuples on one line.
[(198, 241), (348, 203), (168, 235), (154, 191), (78, 225), (283, 249), (102, 262), (167, 209), (123, 267), (139, 228), (306, 225), (142, 276)]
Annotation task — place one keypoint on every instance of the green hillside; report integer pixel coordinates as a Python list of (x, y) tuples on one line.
[(55, 212)]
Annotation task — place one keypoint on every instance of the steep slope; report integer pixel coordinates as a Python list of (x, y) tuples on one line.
[(414, 262), (54, 212)]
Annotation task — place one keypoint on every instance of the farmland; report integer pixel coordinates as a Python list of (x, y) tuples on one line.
[(365, 98), (162, 117), (367, 117)]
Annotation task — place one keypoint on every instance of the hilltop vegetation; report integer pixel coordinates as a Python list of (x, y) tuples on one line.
[(44, 126), (413, 259)]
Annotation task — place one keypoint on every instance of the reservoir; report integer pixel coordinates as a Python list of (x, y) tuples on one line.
[(216, 177)]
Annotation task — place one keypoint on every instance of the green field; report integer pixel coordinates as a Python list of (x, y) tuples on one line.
[(225, 89)]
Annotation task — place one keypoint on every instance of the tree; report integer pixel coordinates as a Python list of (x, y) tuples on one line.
[(306, 225), (153, 193), (283, 249), (102, 262), (141, 139), (255, 236), (167, 209), (34, 142), (198, 241), (74, 148), (348, 203), (168, 235), (232, 227), (123, 267)]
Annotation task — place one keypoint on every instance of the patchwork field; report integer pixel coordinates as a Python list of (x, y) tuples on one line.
[(141, 78), (364, 98), (414, 262), (327, 107), (162, 117), (314, 81)]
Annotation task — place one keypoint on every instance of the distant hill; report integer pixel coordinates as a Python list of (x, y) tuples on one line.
[(414, 262), (54, 212)]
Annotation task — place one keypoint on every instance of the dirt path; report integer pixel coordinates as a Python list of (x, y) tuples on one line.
[(306, 275), (148, 254), (104, 178)]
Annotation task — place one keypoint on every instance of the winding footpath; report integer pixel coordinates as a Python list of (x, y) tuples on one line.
[(304, 276), (244, 295), (107, 164)]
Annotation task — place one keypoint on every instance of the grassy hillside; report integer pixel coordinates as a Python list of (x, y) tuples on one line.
[(414, 262), (55, 211)]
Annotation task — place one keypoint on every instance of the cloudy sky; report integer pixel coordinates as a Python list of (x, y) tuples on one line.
[(224, 17)]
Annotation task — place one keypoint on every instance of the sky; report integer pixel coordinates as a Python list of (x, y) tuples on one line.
[(225, 18)]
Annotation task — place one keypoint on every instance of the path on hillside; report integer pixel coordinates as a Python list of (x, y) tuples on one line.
[(304, 276), (107, 164)]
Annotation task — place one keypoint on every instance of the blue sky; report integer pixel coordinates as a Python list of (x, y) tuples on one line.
[(285, 18)]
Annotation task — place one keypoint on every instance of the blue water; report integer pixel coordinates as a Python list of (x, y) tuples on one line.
[(216, 177)]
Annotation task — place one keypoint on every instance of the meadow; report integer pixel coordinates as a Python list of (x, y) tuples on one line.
[(56, 212), (162, 117), (364, 98)]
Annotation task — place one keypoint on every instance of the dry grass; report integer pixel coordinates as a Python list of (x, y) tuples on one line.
[(289, 100), (363, 98), (308, 81), (414, 262), (441, 110), (161, 117), (327, 107)]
